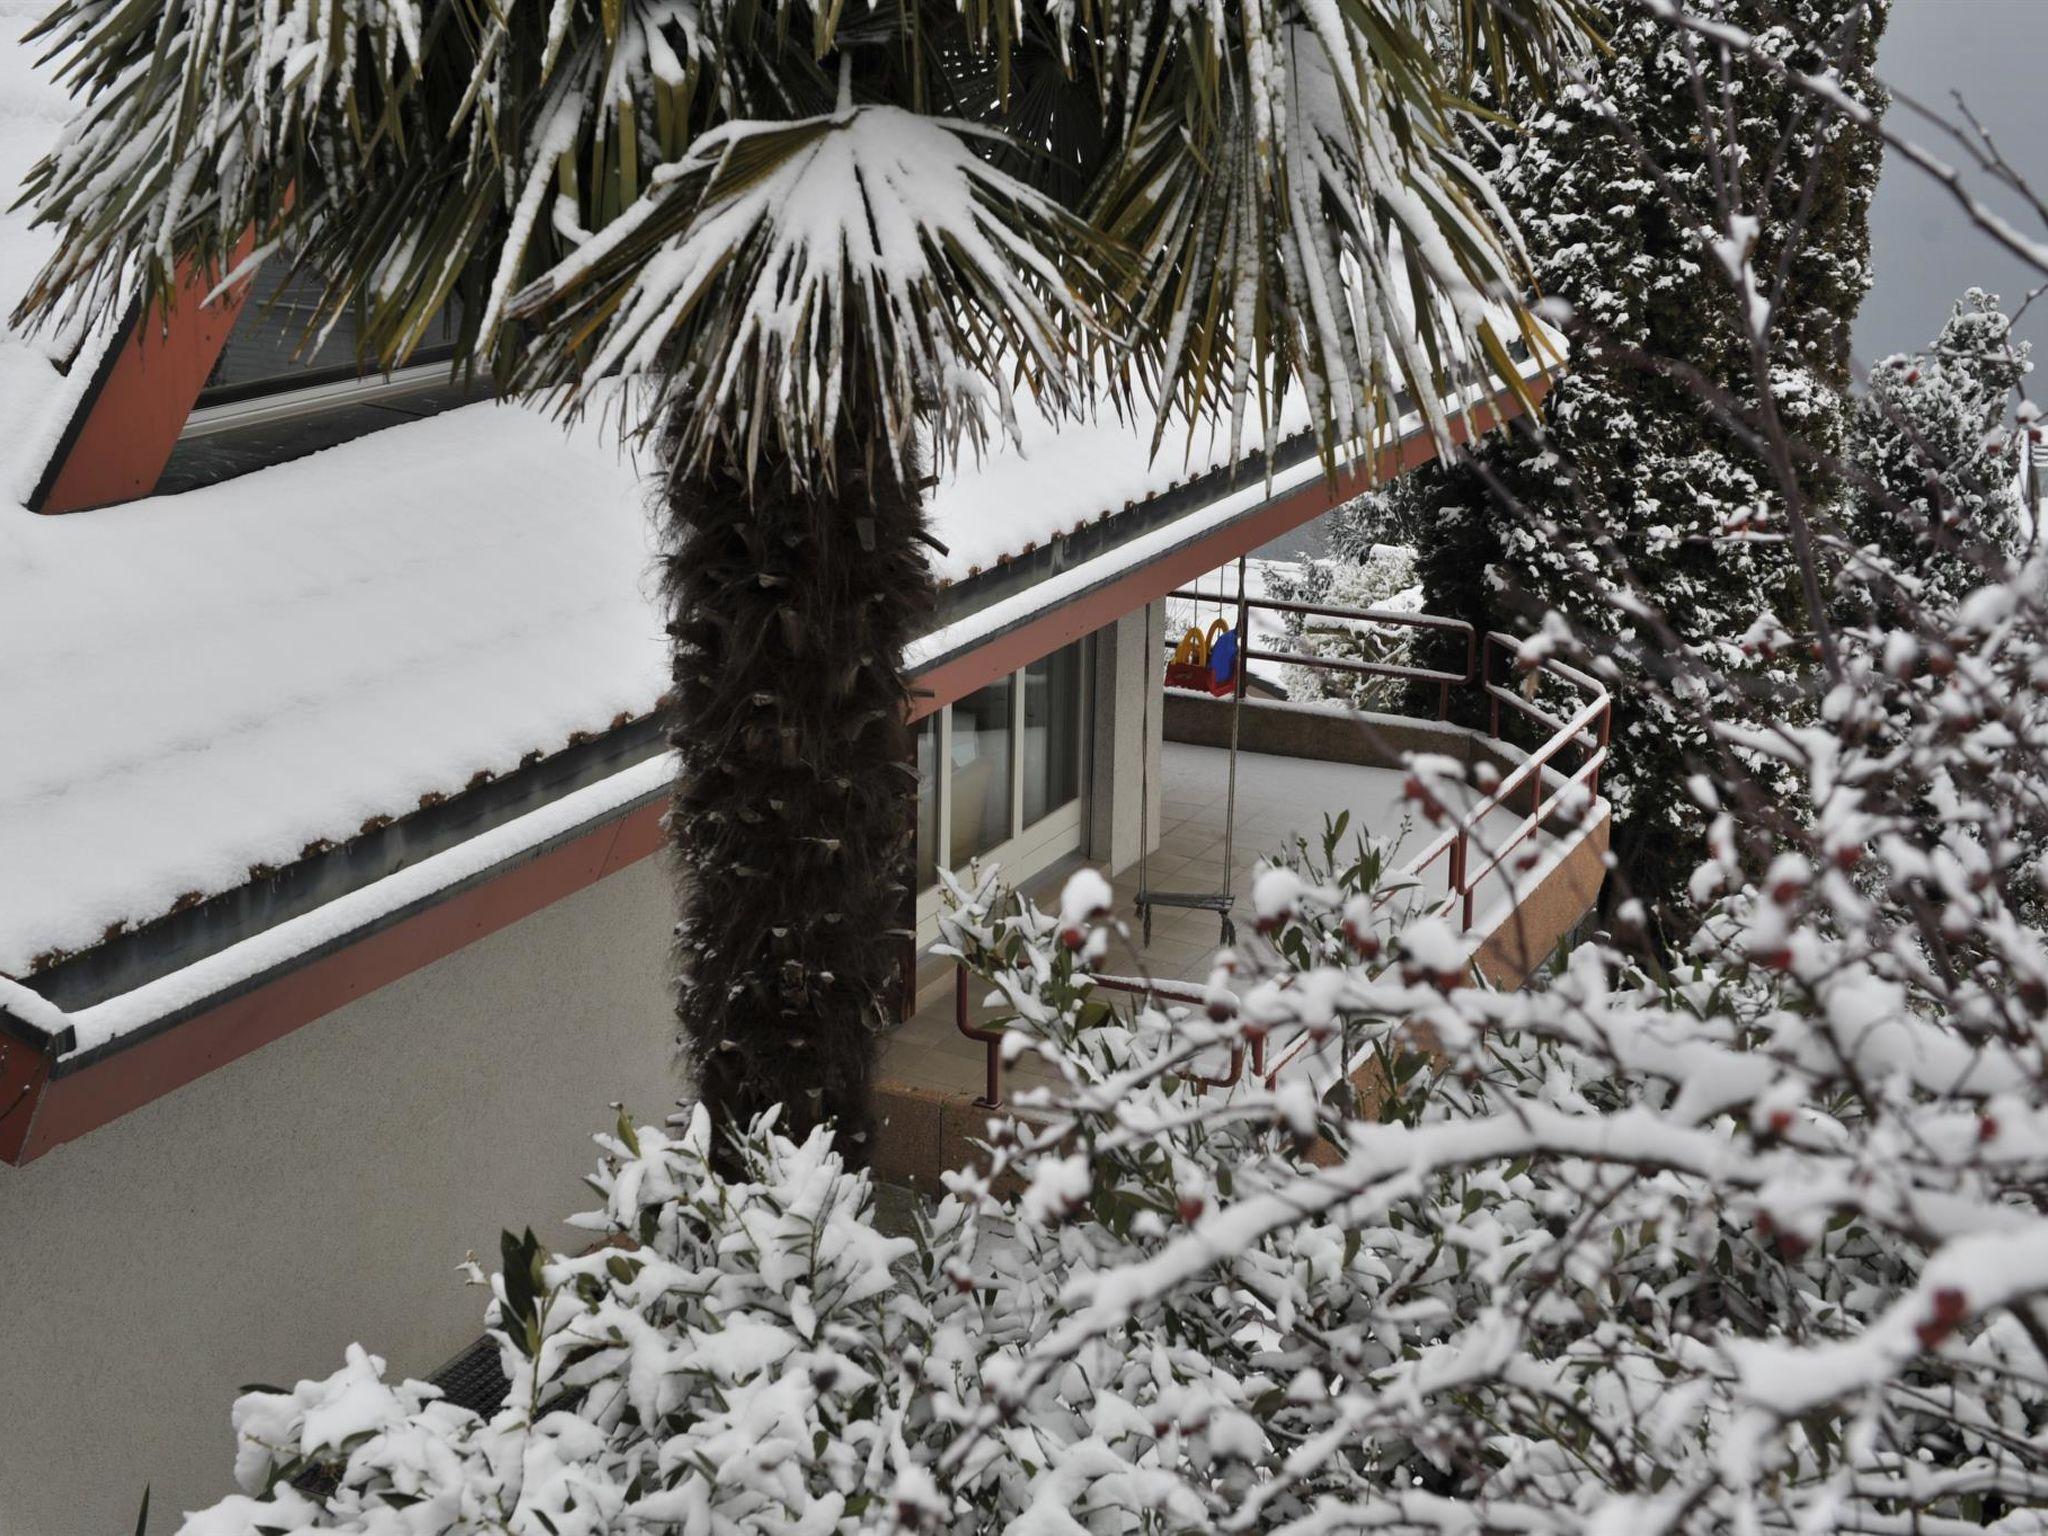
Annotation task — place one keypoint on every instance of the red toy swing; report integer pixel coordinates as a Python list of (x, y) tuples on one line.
[(1206, 663)]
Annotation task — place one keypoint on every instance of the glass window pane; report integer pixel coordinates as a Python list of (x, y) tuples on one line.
[(927, 801), (269, 349), (1052, 732), (981, 772)]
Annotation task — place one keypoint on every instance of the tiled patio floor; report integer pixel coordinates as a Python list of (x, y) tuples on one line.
[(1276, 796)]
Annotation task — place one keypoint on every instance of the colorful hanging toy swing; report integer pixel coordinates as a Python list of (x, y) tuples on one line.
[(1205, 662)]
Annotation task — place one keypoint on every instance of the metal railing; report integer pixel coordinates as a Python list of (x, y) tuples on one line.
[(1588, 728), (1385, 617), (1490, 666)]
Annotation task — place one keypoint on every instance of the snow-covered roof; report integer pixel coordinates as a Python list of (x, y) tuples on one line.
[(1057, 477), (206, 685), (202, 685)]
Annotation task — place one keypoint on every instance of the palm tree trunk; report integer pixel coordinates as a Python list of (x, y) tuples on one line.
[(791, 817)]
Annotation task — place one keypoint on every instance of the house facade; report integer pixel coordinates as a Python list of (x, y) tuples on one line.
[(332, 910)]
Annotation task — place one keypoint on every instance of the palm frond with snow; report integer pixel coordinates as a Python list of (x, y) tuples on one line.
[(1321, 231), (781, 276), (1230, 201)]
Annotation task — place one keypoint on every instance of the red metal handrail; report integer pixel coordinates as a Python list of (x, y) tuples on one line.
[(1197, 997), (1589, 728), (992, 1040), (1170, 991)]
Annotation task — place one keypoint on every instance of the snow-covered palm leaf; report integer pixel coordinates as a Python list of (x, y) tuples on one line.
[(388, 146), (1308, 221), (1283, 179), (788, 283), (205, 119)]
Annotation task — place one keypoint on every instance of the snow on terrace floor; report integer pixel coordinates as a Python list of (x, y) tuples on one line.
[(202, 683), (1276, 797)]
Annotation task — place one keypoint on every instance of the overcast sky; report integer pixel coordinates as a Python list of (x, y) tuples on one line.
[(1926, 254)]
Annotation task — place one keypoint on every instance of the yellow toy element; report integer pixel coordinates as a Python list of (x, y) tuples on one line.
[(1193, 650)]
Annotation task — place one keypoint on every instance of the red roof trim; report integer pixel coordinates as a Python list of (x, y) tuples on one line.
[(125, 427)]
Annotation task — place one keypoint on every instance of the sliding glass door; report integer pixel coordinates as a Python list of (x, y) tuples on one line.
[(999, 776)]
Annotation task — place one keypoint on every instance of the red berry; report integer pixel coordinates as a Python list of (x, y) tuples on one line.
[(1948, 1308), (1363, 941)]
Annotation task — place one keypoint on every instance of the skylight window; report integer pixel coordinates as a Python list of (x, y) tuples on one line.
[(282, 388), (275, 349)]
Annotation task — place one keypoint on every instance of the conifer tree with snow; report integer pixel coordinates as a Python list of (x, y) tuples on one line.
[(1633, 190), (831, 245), (1938, 479)]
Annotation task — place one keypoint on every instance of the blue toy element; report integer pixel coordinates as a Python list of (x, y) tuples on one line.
[(1223, 657)]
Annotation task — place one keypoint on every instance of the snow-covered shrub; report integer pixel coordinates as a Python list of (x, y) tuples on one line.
[(1365, 575), (1755, 1245), (1756, 1242), (735, 1355)]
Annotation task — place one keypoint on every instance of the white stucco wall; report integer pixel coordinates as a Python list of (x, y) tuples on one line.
[(318, 1192), (1129, 719)]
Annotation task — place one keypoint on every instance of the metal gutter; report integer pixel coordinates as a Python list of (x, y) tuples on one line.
[(155, 949), (252, 406), (72, 1060)]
